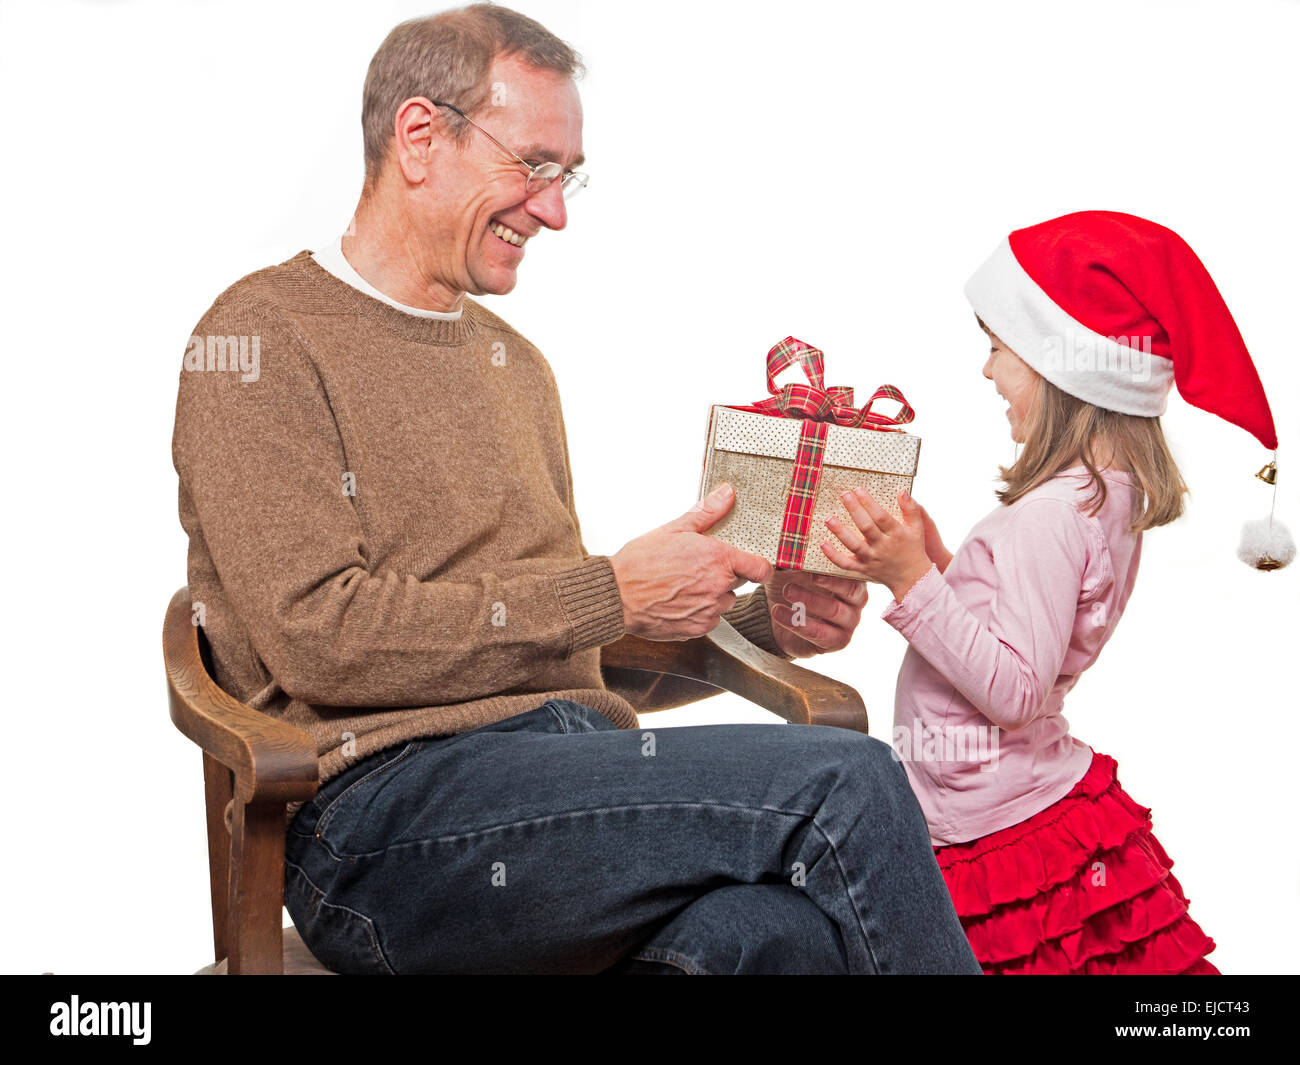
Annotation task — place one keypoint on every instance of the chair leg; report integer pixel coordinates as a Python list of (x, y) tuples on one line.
[(254, 929), (217, 788)]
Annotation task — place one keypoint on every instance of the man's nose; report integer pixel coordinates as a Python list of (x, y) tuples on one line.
[(547, 206)]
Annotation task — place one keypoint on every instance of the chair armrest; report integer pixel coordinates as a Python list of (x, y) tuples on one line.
[(253, 765), (272, 761), (651, 692), (726, 660)]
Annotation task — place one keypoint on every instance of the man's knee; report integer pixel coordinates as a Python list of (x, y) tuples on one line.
[(856, 758)]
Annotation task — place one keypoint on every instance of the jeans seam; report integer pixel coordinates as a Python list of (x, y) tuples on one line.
[(328, 813), (683, 804), (672, 957), (848, 891), (371, 931)]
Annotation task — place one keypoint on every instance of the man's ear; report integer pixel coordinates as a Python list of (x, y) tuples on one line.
[(415, 140)]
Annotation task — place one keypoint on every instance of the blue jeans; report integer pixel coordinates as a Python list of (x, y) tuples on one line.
[(555, 842)]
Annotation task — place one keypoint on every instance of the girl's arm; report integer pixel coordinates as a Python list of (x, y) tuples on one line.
[(1006, 668)]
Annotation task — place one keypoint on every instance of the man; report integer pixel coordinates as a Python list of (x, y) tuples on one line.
[(384, 542)]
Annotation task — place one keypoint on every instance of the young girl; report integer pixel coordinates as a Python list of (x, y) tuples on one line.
[(1051, 865)]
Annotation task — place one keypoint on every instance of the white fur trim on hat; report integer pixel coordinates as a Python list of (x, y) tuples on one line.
[(1094, 368)]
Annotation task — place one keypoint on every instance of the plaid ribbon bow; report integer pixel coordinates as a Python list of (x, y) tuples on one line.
[(817, 402), (818, 407)]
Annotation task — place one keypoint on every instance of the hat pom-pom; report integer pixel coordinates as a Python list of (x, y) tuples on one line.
[(1266, 544)]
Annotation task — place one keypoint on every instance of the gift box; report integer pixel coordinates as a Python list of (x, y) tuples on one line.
[(790, 456)]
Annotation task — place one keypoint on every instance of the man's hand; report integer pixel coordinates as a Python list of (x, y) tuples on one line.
[(677, 583), (813, 612)]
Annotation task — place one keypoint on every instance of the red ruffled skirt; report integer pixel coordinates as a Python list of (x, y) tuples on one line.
[(1080, 888)]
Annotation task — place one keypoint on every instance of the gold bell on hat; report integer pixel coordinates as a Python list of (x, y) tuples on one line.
[(1267, 544)]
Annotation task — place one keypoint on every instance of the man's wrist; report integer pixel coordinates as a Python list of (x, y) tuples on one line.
[(752, 618), (592, 601)]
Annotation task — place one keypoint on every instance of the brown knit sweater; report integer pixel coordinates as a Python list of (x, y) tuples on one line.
[(383, 537)]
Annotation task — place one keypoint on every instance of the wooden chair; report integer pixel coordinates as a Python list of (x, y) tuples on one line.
[(262, 764)]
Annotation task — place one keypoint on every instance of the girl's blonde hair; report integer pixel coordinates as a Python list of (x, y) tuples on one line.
[(1063, 431)]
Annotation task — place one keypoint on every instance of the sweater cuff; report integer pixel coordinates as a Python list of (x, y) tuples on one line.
[(752, 618), (592, 603), (918, 597)]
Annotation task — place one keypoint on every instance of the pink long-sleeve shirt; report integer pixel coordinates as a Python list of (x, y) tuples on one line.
[(996, 641)]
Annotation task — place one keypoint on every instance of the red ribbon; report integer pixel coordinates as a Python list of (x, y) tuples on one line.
[(818, 407), (814, 400)]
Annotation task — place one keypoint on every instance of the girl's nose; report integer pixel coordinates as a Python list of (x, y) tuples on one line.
[(988, 367)]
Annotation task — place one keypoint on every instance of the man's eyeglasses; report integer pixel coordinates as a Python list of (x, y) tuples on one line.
[(540, 175)]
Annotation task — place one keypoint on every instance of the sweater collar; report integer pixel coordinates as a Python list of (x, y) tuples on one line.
[(332, 258), (337, 293)]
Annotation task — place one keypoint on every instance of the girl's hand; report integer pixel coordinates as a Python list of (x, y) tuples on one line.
[(881, 548), (934, 549)]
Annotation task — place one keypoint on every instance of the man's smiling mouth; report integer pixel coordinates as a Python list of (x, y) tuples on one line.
[(508, 235)]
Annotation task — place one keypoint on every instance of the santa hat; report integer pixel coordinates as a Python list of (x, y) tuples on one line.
[(1117, 310)]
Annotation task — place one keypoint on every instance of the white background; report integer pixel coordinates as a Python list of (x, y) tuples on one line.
[(826, 170)]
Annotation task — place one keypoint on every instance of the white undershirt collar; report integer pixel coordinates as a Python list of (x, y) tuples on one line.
[(331, 258)]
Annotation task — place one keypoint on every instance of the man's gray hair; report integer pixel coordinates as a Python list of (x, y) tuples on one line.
[(446, 57)]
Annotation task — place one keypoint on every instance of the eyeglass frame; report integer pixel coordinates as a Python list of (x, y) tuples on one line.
[(565, 175)]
